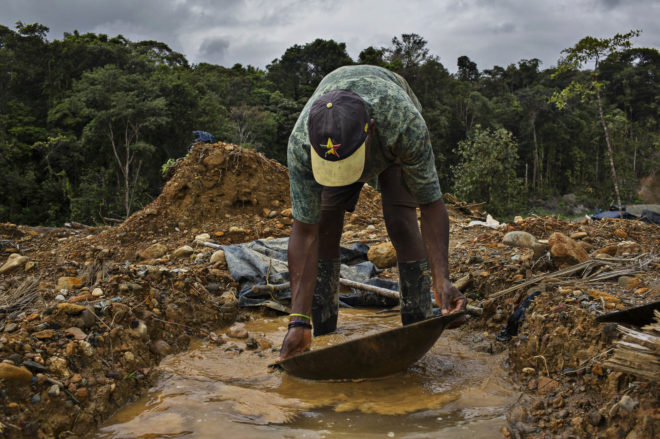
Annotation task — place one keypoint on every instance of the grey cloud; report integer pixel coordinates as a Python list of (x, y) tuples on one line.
[(214, 49)]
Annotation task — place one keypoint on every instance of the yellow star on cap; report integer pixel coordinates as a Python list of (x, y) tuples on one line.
[(331, 148)]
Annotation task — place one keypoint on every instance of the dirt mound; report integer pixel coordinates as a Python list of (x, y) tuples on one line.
[(213, 182)]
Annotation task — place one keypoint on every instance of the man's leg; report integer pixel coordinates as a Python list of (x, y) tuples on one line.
[(325, 303), (400, 212)]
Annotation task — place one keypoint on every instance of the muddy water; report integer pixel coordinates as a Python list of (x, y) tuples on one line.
[(215, 391)]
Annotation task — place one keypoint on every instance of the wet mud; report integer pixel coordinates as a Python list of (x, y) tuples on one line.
[(227, 389)]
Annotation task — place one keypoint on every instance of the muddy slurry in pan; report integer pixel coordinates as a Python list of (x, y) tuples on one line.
[(227, 390)]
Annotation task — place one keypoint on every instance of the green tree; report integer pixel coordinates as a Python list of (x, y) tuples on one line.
[(590, 49), (118, 109), (487, 169)]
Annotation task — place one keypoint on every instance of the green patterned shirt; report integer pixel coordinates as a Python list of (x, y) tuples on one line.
[(401, 136)]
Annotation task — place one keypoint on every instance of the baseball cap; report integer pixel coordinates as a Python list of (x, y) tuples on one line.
[(338, 125)]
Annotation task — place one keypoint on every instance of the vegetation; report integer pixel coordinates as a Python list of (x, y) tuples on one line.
[(89, 123)]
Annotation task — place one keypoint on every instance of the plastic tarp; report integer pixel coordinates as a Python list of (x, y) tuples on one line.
[(646, 215), (264, 262)]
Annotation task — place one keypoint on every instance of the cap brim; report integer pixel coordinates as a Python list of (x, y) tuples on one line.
[(338, 173)]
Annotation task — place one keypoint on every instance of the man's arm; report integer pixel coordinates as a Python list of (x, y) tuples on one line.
[(435, 233), (303, 263)]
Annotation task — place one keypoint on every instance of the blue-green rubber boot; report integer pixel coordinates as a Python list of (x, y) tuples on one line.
[(415, 287), (325, 303)]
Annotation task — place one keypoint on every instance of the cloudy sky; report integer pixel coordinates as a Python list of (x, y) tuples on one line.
[(254, 32)]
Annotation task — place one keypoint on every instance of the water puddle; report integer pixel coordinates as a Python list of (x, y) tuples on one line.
[(212, 391)]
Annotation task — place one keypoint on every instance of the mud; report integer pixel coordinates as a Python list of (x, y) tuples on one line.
[(95, 318), (453, 390)]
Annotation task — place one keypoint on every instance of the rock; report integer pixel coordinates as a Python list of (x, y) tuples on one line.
[(54, 390), (251, 343), (154, 251), (519, 239), (86, 348), (620, 233), (218, 256), (610, 250), (578, 235), (69, 283), (19, 374), (11, 327), (594, 418), (517, 219), (160, 347), (628, 248), (82, 393), (237, 331), (183, 252), (286, 212), (76, 333), (71, 309), (382, 255), (87, 319), (129, 357), (34, 366), (628, 403), (565, 251), (45, 334), (203, 237), (528, 370), (264, 343), (29, 265), (58, 366), (533, 384), (547, 385), (14, 262), (237, 230), (60, 298), (97, 292)]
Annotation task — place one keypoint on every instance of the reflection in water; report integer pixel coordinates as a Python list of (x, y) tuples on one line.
[(219, 391)]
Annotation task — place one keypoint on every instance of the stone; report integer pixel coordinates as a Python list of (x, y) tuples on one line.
[(54, 390), (628, 248), (183, 252), (160, 347), (547, 385), (620, 233), (594, 418), (519, 238), (29, 265), (628, 404), (76, 333), (45, 334), (97, 292), (82, 393), (58, 366), (19, 374), (69, 283), (34, 366), (286, 212), (528, 370), (154, 251), (71, 309), (14, 262), (218, 257), (610, 250), (237, 331), (87, 319), (86, 348), (565, 251), (578, 235), (203, 237), (382, 255)]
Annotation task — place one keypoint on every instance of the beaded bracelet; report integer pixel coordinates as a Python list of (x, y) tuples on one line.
[(299, 323), (300, 315)]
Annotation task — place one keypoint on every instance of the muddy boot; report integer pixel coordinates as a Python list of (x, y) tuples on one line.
[(415, 287), (325, 303)]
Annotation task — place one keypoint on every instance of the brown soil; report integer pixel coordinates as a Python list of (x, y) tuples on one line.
[(90, 354)]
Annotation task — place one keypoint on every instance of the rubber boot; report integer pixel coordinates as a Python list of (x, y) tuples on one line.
[(415, 287), (325, 303)]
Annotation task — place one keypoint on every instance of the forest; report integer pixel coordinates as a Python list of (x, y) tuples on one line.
[(89, 124)]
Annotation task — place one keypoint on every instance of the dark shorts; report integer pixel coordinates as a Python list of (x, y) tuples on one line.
[(392, 190)]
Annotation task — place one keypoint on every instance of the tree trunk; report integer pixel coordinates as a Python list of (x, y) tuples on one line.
[(609, 153)]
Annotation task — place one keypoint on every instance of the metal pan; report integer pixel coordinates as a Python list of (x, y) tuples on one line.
[(371, 356)]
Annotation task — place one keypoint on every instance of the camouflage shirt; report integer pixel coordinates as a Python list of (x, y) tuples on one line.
[(401, 137)]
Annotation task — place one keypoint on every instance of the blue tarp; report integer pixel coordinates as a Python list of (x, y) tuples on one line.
[(250, 263)]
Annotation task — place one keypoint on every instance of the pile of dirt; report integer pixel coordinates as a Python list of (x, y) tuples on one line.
[(89, 312)]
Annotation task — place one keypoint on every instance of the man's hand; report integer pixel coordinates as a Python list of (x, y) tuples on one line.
[(450, 300), (296, 341)]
